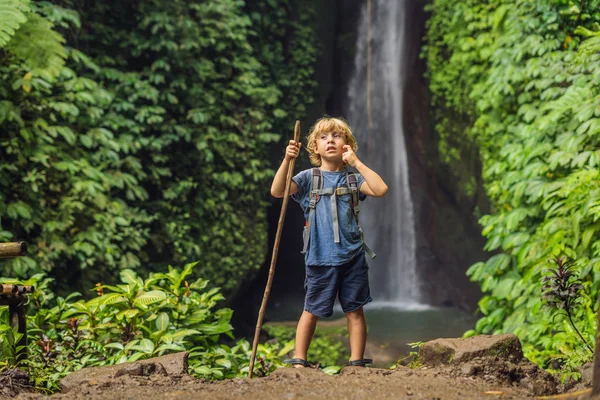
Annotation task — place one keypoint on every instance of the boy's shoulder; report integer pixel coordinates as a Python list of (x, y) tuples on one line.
[(308, 173)]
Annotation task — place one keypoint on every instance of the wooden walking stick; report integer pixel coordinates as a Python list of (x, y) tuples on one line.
[(286, 198)]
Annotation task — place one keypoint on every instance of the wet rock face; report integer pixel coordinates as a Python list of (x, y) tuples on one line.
[(497, 359)]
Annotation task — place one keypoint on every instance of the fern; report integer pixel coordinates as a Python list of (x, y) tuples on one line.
[(39, 46), (590, 46), (12, 15)]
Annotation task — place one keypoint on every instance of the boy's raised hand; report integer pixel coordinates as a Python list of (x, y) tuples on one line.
[(349, 156), (292, 150)]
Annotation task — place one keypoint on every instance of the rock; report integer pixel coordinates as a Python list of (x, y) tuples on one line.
[(469, 369), (586, 370), (171, 364), (453, 351), (15, 381), (142, 369)]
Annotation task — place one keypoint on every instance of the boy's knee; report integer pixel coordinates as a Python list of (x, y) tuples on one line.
[(356, 314), (310, 316)]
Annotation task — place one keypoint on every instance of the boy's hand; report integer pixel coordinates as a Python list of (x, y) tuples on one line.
[(349, 156), (292, 150)]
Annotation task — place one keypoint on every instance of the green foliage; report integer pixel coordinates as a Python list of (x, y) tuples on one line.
[(31, 37), (326, 345), (12, 14), (412, 359), (152, 146), (10, 351), (527, 93), (45, 52), (133, 320)]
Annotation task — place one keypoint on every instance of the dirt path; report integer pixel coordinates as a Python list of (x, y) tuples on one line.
[(289, 383)]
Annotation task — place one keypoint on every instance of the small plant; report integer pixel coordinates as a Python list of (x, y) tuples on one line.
[(412, 359), (561, 292), (10, 351)]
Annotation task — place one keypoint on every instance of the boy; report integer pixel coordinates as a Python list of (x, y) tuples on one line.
[(335, 261)]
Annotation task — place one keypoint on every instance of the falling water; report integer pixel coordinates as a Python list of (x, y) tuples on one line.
[(388, 222)]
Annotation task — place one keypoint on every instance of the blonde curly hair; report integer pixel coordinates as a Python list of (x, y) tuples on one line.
[(326, 125)]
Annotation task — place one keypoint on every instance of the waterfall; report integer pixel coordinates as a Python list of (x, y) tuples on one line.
[(388, 222)]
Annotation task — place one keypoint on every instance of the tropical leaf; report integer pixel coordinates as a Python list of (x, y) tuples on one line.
[(115, 345), (128, 314), (214, 329), (129, 276), (289, 346), (39, 46), (590, 46), (162, 321), (110, 298), (169, 347), (147, 298), (146, 346), (13, 13), (178, 335), (332, 370)]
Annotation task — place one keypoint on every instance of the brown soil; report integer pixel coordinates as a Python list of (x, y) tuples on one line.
[(495, 369), (290, 383)]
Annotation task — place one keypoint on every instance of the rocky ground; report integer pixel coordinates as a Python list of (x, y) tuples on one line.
[(474, 368)]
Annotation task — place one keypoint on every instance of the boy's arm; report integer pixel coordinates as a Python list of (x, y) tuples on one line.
[(373, 184), (278, 186)]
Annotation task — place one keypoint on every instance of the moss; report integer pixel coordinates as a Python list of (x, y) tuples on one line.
[(435, 353), (505, 349)]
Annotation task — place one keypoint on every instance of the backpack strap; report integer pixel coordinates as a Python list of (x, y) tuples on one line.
[(316, 189), (352, 181)]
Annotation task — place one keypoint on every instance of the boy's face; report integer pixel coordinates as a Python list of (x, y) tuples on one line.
[(329, 145)]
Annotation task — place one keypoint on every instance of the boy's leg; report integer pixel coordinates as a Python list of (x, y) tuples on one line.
[(357, 329), (321, 289), (354, 293), (304, 333)]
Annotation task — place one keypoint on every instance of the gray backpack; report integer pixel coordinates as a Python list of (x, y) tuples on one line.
[(316, 191)]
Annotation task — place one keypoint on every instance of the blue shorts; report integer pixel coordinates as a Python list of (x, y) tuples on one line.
[(349, 282)]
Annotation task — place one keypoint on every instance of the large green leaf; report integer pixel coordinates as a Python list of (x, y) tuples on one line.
[(162, 321), (129, 276), (106, 299), (145, 346), (180, 334), (147, 298)]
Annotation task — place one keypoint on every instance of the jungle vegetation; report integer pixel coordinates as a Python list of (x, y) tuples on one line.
[(136, 135), (519, 81), (97, 97)]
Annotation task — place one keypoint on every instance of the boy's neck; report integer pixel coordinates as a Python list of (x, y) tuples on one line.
[(332, 166)]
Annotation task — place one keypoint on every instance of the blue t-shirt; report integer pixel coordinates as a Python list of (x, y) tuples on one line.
[(322, 250)]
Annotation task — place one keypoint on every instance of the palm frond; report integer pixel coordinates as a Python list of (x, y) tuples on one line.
[(590, 46), (38, 45), (13, 13)]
